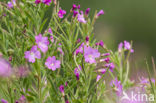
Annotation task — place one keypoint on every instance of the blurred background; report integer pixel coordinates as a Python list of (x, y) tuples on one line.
[(124, 20)]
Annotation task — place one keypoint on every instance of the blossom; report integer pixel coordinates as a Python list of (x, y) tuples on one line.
[(50, 31), (103, 70), (80, 49), (105, 60), (98, 78), (11, 3), (101, 43), (47, 2), (42, 42), (61, 13), (78, 7), (52, 63), (111, 66), (81, 18), (120, 46), (75, 13), (61, 88), (77, 72), (117, 86), (52, 39), (37, 1), (74, 7), (32, 54), (90, 54), (87, 11), (105, 54), (5, 68), (4, 101), (67, 101), (101, 12), (22, 99), (60, 50)]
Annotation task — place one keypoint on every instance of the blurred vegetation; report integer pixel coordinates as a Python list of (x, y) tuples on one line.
[(124, 20)]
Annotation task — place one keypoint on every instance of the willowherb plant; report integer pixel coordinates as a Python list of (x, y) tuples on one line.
[(50, 56)]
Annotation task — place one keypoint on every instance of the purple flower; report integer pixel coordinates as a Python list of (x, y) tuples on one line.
[(98, 78), (103, 71), (75, 13), (37, 1), (87, 11), (74, 7), (101, 12), (47, 2), (90, 54), (66, 83), (105, 60), (61, 88), (117, 86), (5, 68), (101, 43), (80, 49), (78, 40), (81, 18), (52, 39), (67, 101), (11, 3), (61, 13), (32, 54), (52, 63), (42, 42), (4, 101), (60, 50), (127, 45), (78, 7), (120, 47), (105, 54), (87, 38), (50, 31), (111, 66), (77, 72)]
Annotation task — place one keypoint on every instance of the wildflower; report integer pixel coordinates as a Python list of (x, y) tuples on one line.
[(87, 38), (66, 83), (98, 78), (52, 63), (61, 13), (67, 101), (47, 2), (101, 12), (81, 18), (90, 54), (42, 42), (101, 43), (103, 71), (78, 7), (111, 66), (105, 60), (78, 40), (145, 82), (61, 89), (4, 101), (87, 11), (50, 31), (52, 39), (37, 1), (75, 13), (22, 99), (32, 54), (120, 47), (5, 68), (74, 7), (117, 86), (11, 3), (77, 72), (80, 49), (60, 50)]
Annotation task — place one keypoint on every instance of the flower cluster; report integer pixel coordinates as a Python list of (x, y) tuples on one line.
[(47, 2), (126, 45)]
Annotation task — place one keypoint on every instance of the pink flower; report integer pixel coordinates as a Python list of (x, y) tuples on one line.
[(120, 47), (50, 31), (52, 63), (80, 49), (117, 86), (77, 72), (75, 13), (101, 12), (81, 18), (52, 39), (42, 42), (32, 54), (61, 89), (11, 3), (61, 13), (111, 66), (87, 11), (103, 71), (4, 101), (47, 2), (90, 54), (37, 1), (5, 68), (74, 7), (98, 78)]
